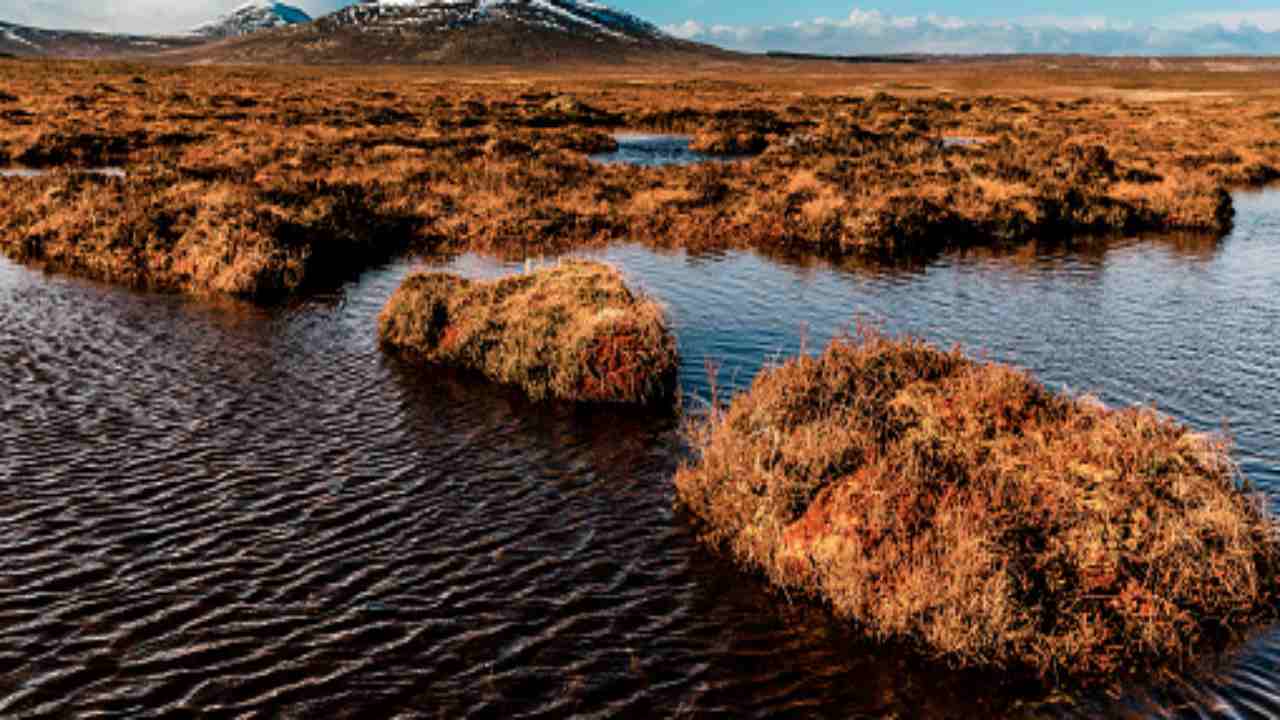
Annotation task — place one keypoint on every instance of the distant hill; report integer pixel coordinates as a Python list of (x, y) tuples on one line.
[(23, 41), (251, 18), (508, 32)]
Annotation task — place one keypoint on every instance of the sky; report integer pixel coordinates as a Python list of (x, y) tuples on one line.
[(756, 12), (823, 26)]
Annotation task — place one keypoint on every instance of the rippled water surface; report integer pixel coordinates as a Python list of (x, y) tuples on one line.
[(256, 513)]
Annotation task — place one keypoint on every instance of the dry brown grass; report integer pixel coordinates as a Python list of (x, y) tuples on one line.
[(571, 331), (963, 506), (496, 160), (158, 229)]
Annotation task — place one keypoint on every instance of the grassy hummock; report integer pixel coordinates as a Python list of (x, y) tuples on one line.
[(964, 507), (572, 331), (161, 230)]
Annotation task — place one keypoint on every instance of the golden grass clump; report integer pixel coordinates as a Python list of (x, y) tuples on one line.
[(156, 229), (965, 507), (572, 331)]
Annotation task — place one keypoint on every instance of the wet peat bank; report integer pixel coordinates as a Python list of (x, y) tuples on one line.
[(167, 230), (156, 229), (224, 508)]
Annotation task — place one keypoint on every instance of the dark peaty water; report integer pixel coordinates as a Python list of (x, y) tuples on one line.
[(654, 150), (20, 172), (215, 509)]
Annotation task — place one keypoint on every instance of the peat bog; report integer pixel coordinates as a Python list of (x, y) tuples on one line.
[(429, 538), (250, 182)]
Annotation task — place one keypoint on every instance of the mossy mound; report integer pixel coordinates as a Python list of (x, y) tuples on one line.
[(964, 507), (573, 331)]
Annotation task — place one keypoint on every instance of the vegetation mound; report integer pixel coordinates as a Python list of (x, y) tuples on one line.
[(964, 507), (573, 331), (160, 230)]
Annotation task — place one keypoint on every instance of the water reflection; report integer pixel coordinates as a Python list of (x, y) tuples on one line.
[(114, 172), (654, 150), (959, 141)]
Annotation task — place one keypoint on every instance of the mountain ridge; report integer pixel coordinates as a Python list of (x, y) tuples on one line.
[(388, 32), (467, 32), (582, 15), (24, 41)]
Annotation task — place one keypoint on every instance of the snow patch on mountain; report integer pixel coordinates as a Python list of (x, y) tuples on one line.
[(15, 37)]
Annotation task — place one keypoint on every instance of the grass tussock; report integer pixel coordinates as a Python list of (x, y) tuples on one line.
[(963, 506), (160, 230), (572, 331)]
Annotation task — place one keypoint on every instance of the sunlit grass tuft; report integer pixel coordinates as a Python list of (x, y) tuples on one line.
[(963, 506), (570, 331)]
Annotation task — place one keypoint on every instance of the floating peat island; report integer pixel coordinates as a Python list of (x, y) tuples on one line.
[(963, 506), (572, 331)]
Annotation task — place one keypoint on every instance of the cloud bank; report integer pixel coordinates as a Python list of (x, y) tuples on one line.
[(143, 17), (870, 32)]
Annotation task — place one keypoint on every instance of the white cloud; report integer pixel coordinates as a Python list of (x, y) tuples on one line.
[(133, 16), (1072, 22), (871, 32), (688, 29), (1268, 20)]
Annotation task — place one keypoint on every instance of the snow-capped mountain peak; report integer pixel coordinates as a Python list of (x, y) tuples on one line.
[(443, 32), (581, 18), (253, 17)]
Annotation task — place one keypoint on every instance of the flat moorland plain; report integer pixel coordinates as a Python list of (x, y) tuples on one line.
[(265, 182)]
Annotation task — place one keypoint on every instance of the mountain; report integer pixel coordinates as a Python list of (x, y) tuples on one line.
[(503, 32), (252, 17), (24, 41), (578, 18)]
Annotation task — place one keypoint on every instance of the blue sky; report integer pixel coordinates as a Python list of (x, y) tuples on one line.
[(756, 12), (1102, 27)]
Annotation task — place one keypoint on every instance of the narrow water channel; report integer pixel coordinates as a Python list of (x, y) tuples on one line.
[(257, 513)]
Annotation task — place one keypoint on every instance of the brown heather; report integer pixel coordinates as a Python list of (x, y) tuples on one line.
[(265, 182), (963, 507), (572, 331)]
